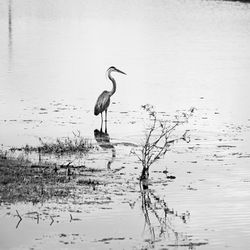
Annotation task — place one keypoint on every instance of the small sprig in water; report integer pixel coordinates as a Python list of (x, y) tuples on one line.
[(160, 137)]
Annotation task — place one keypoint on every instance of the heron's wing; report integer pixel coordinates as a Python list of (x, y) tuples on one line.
[(102, 102)]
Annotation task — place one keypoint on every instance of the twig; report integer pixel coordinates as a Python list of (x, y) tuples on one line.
[(73, 219), (52, 220), (20, 219), (37, 217)]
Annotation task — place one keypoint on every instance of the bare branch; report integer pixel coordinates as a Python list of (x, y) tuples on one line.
[(160, 136)]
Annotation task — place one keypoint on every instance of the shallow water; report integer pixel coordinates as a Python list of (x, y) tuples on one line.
[(177, 55)]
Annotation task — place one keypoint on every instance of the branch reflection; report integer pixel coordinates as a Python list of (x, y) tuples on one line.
[(160, 220)]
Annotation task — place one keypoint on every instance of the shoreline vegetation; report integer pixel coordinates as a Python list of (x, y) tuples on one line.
[(242, 1), (22, 180)]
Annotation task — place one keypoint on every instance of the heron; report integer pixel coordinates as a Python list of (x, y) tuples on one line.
[(103, 100)]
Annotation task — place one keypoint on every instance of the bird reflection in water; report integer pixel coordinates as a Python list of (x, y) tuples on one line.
[(103, 140)]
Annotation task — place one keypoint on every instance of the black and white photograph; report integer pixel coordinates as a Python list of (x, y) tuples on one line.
[(124, 124)]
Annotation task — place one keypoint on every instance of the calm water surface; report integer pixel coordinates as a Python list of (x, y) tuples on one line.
[(177, 55)]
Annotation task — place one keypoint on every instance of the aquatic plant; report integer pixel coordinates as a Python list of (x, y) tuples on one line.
[(159, 138)]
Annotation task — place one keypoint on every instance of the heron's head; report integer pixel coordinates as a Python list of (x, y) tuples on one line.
[(114, 69)]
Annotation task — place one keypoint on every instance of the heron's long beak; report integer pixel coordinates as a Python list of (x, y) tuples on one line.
[(120, 71)]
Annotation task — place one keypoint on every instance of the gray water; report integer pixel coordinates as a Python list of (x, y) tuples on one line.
[(177, 55)]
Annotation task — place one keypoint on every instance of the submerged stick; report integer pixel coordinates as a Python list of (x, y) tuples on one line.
[(37, 218), (52, 220), (20, 219), (73, 219)]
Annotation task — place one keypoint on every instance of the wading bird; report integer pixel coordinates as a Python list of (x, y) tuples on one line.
[(103, 100)]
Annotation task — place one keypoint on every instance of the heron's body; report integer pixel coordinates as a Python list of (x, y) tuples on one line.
[(103, 100)]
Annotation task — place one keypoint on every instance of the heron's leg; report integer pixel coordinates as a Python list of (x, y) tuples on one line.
[(106, 121), (106, 115), (101, 122)]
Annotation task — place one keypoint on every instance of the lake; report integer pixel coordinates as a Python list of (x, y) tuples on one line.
[(176, 54)]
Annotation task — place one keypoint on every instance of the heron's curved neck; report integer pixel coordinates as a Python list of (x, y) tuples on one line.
[(113, 82)]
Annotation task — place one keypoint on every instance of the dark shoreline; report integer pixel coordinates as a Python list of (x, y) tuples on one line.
[(240, 1)]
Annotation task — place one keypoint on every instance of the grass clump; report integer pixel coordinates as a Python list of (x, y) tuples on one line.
[(76, 144)]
